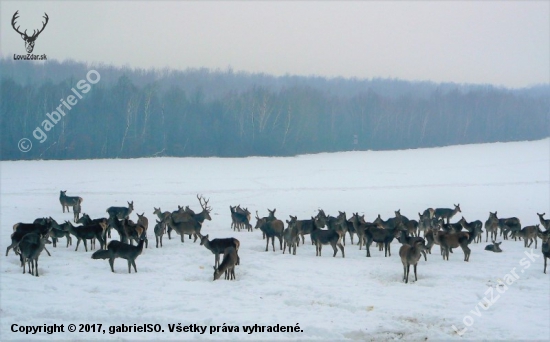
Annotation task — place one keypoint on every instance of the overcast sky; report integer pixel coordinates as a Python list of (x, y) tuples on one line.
[(505, 43)]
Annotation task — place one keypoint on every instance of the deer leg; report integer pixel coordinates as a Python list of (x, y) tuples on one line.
[(342, 249), (408, 270), (36, 267), (134, 264), (335, 249), (77, 243), (415, 278), (272, 242), (267, 245), (112, 263), (47, 251), (424, 253), (129, 266)]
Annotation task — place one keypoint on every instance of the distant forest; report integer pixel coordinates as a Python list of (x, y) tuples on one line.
[(132, 113)]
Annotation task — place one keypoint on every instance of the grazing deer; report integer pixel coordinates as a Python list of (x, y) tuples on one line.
[(22, 229), (545, 237), (230, 259), (83, 233), (545, 223), (218, 246), (405, 239), (30, 246), (160, 227), (410, 254), (473, 227), (121, 212), (116, 249), (528, 233), (290, 237), (328, 237), (270, 229), (446, 213), (68, 201), (495, 247), (77, 208)]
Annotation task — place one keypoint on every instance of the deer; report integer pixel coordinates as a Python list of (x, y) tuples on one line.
[(338, 224), (240, 218), (359, 224), (29, 40), (328, 237), (68, 201), (410, 255), (22, 229), (405, 239), (381, 232), (121, 212), (290, 236), (160, 227), (218, 246), (117, 225), (191, 227), (305, 227), (545, 248), (495, 247), (528, 233), (116, 249), (30, 246), (134, 231), (474, 227), (446, 213), (230, 259), (59, 231), (271, 229), (77, 208), (424, 223), (506, 225), (491, 226), (453, 240), (190, 218), (85, 220), (83, 233), (545, 223)]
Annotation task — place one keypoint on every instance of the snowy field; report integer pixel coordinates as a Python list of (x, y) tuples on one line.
[(351, 298)]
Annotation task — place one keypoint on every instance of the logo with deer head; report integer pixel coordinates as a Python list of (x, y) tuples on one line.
[(29, 40)]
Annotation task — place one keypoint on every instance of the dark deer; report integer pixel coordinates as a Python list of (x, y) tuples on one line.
[(134, 231), (290, 237), (116, 249), (121, 212), (446, 213), (218, 246), (85, 220), (22, 229), (382, 232), (491, 226), (327, 237), (405, 239), (473, 227), (453, 240), (545, 237), (506, 225), (495, 247), (29, 41), (305, 227), (83, 233), (230, 259), (59, 231), (271, 229), (410, 254), (160, 227), (68, 201), (31, 245)]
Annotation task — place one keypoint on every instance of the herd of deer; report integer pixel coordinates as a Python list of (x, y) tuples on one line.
[(30, 239)]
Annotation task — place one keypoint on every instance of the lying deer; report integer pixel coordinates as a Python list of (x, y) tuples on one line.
[(495, 247), (116, 249)]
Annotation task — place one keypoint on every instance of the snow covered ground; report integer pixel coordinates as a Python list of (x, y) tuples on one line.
[(351, 298)]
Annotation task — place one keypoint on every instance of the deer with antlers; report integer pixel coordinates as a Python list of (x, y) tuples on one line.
[(29, 40)]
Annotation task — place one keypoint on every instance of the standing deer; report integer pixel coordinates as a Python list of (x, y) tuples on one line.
[(410, 256), (160, 227), (328, 237), (116, 249), (77, 208), (68, 201), (189, 218), (271, 229), (473, 227), (545, 248), (545, 223), (446, 213), (30, 246), (528, 233), (121, 212)]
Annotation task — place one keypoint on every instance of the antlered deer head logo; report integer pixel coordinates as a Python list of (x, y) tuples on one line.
[(29, 41)]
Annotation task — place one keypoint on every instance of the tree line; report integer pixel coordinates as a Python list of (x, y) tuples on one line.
[(132, 113)]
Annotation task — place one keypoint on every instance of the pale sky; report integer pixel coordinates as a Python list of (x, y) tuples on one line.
[(504, 43)]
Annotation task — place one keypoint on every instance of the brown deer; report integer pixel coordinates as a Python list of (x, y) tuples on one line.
[(473, 227), (271, 229), (290, 236), (405, 239), (190, 218), (230, 259), (410, 254), (68, 201), (528, 233), (134, 232), (545, 223), (453, 240), (191, 227)]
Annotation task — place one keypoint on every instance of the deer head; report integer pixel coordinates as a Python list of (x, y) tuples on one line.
[(29, 40)]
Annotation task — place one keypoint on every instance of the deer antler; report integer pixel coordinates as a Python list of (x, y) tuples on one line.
[(205, 206), (13, 19)]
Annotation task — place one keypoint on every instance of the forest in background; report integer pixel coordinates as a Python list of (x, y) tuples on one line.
[(133, 113)]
